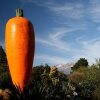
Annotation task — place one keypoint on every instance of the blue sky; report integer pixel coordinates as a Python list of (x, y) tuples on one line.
[(65, 30)]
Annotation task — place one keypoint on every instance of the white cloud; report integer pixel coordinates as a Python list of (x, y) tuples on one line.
[(96, 14), (55, 38), (66, 14), (94, 10), (51, 59), (68, 10), (90, 49), (43, 3), (94, 1)]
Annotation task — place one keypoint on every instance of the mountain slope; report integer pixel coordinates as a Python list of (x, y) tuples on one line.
[(65, 68)]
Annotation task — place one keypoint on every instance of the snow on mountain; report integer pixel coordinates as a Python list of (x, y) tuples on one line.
[(65, 68)]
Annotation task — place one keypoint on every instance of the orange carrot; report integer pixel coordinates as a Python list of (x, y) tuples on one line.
[(20, 47)]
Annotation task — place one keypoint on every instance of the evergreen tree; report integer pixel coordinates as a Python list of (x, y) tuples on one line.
[(5, 78), (82, 62), (3, 59)]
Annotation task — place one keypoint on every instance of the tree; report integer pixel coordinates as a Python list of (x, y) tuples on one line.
[(82, 62), (4, 71), (3, 59)]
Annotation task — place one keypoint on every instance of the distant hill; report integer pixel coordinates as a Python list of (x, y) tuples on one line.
[(65, 68)]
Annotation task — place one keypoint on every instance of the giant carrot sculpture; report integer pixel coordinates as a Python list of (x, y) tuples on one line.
[(20, 45)]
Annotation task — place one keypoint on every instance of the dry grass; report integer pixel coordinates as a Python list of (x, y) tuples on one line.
[(76, 77)]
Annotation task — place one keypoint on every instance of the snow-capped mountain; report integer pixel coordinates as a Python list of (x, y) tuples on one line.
[(65, 68)]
